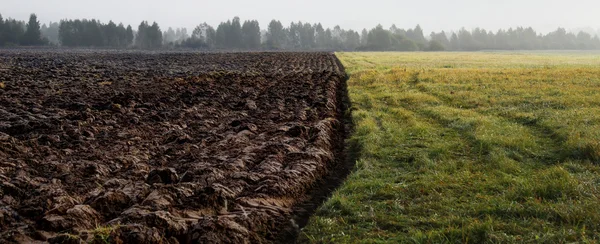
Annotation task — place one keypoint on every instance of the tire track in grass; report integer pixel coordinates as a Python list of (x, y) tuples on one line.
[(516, 187), (441, 186), (549, 145), (556, 148), (556, 142), (562, 148)]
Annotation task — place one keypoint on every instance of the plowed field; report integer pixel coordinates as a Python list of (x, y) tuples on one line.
[(171, 148)]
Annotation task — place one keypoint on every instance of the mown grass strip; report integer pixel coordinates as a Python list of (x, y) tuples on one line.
[(470, 148)]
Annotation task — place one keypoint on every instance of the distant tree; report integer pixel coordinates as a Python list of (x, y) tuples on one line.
[(33, 35), (307, 36), (293, 36), (407, 45), (328, 38), (50, 32), (92, 33), (559, 39), (276, 36), (596, 42), (251, 34), (13, 31), (584, 40), (416, 35), (169, 37), (435, 46), (203, 36), (337, 38), (352, 40), (466, 40), (530, 39), (122, 36), (111, 35), (210, 35), (321, 39), (363, 37), (2, 34), (222, 35), (479, 39), (229, 34), (141, 39), (501, 41), (454, 42), (182, 34), (394, 29), (129, 36), (379, 39), (155, 35), (149, 37), (234, 35), (441, 38), (197, 39), (198, 33)]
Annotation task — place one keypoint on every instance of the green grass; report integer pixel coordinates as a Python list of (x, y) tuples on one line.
[(469, 148)]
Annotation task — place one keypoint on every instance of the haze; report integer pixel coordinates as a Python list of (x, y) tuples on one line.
[(432, 15)]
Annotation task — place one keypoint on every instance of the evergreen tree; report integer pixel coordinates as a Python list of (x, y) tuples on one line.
[(293, 35), (251, 34), (129, 36), (2, 33), (417, 36), (307, 36), (454, 42), (466, 40), (148, 37), (276, 35), (321, 41), (234, 37), (221, 37), (111, 35), (33, 35), (14, 31), (363, 37), (352, 40)]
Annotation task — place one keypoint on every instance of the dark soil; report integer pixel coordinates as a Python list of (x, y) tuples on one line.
[(165, 147)]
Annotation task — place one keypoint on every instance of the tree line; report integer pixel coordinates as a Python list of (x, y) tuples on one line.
[(19, 33), (247, 35)]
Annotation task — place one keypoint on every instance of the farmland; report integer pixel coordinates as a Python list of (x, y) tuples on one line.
[(140, 147), (179, 147), (494, 147)]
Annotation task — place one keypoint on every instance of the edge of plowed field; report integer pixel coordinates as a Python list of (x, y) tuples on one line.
[(345, 154)]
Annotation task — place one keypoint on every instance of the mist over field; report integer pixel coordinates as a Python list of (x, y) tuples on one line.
[(433, 15)]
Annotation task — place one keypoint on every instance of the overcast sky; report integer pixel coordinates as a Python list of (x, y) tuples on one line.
[(433, 15)]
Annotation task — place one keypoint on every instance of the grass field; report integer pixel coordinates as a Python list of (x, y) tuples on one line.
[(471, 148)]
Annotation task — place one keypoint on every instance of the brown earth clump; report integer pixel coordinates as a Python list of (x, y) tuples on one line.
[(164, 147)]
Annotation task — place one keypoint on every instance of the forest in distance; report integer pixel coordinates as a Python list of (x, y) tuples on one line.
[(248, 35)]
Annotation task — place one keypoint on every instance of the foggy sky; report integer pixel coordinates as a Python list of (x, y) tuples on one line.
[(433, 15)]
